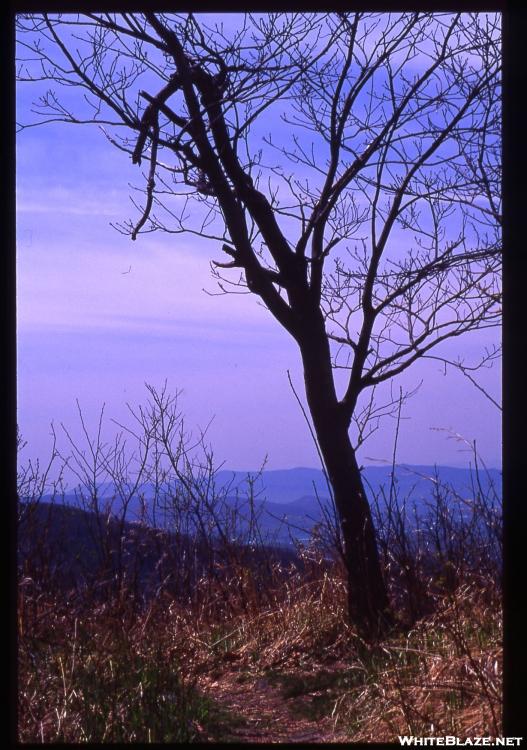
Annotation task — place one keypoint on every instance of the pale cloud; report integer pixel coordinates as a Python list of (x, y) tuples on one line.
[(152, 287), (62, 201)]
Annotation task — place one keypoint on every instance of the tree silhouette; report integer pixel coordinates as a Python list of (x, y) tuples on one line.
[(368, 223)]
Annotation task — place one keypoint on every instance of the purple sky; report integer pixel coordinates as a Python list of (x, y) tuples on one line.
[(98, 315)]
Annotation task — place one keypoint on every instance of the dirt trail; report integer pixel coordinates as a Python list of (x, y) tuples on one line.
[(261, 713)]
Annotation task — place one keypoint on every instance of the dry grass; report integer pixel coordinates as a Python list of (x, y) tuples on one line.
[(116, 672), (443, 677), (106, 674)]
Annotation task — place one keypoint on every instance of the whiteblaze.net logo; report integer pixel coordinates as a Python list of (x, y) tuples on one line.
[(459, 742)]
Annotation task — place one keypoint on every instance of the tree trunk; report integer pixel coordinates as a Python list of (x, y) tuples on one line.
[(368, 604)]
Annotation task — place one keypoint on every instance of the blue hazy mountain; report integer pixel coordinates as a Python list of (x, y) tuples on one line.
[(300, 497), (280, 485), (291, 485)]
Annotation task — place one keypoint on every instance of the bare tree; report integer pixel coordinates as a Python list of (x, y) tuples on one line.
[(368, 223)]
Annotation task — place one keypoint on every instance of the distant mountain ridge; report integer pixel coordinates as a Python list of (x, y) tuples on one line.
[(289, 485), (302, 496)]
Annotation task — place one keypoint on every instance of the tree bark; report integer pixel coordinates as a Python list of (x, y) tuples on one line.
[(368, 603)]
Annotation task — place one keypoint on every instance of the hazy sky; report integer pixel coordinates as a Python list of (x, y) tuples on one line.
[(100, 315)]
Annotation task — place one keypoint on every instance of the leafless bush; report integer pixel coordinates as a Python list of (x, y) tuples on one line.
[(437, 545)]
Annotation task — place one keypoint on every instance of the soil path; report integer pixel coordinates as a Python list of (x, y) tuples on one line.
[(261, 713)]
